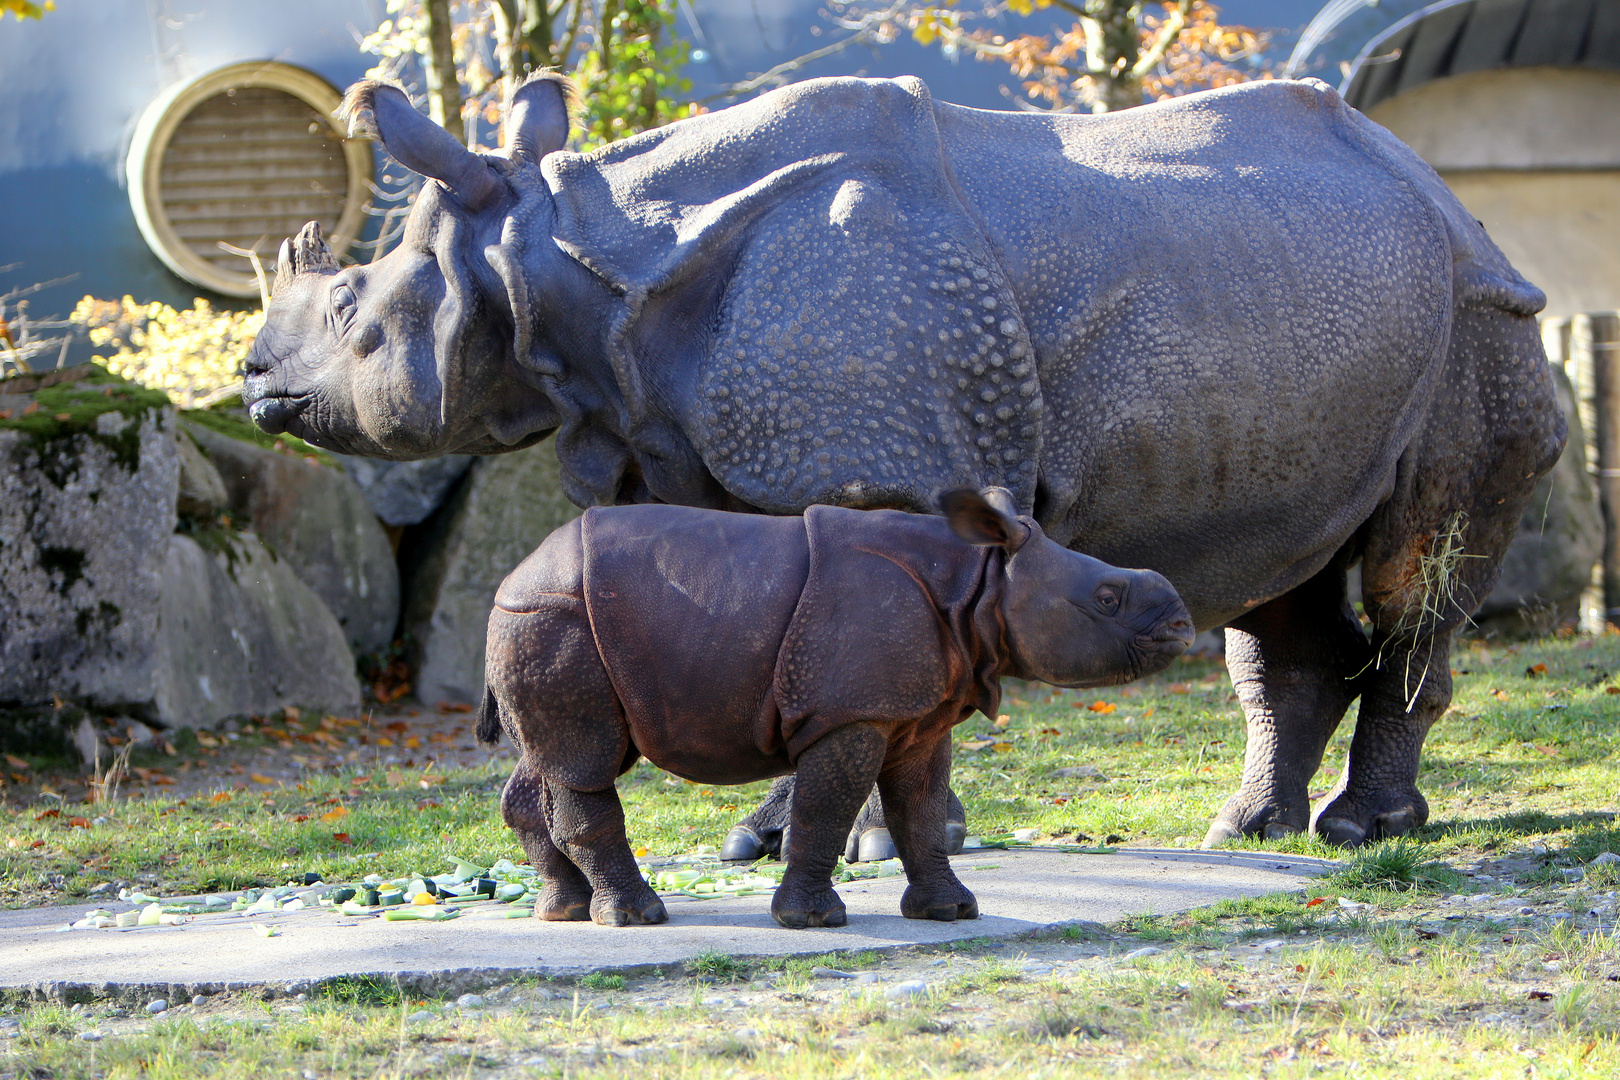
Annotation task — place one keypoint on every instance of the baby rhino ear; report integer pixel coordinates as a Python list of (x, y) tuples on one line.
[(988, 518), (537, 116)]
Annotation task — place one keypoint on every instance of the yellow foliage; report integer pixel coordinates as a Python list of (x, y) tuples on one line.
[(187, 354)]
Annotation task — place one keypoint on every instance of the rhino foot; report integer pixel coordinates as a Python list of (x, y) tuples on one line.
[(638, 908), (819, 908), (940, 903), (743, 844), (875, 845), (559, 905), (1350, 822)]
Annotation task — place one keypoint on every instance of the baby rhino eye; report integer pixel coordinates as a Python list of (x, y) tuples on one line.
[(1107, 598)]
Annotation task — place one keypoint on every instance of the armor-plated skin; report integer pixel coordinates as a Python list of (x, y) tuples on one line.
[(1245, 338), (843, 645)]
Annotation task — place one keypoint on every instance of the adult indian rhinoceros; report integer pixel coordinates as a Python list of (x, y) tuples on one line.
[(1245, 338)]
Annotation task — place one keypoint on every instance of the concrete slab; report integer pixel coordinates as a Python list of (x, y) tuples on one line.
[(1019, 891)]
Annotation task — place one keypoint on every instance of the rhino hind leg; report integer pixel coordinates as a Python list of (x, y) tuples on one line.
[(567, 893), (1294, 662), (1432, 553), (834, 775), (915, 793), (589, 828)]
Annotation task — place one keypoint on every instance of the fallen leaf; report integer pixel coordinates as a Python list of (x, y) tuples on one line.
[(341, 837), (16, 762), (335, 814), (220, 796), (413, 743), (383, 740), (1538, 669), (454, 707), (1102, 706), (300, 817), (394, 777), (1003, 720), (1611, 689), (429, 804), (1500, 695), (1050, 731), (260, 778), (1540, 995), (977, 744), (1178, 688), (430, 779), (1002, 747), (37, 844), (1313, 902), (48, 813), (292, 713), (78, 823), (641, 851), (361, 780)]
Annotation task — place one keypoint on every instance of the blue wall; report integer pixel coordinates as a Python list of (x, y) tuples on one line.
[(73, 85)]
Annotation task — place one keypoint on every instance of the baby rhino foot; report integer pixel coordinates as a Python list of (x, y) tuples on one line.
[(558, 904), (630, 907), (945, 902), (797, 909)]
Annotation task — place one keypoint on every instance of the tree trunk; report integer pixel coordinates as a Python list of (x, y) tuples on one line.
[(443, 84), (1113, 45), (1595, 349)]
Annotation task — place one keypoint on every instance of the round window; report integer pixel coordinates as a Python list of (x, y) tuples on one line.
[(243, 157)]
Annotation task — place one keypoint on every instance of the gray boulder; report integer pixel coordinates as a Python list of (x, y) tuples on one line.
[(86, 511), (242, 634), (505, 507), (1559, 539), (405, 492), (316, 519), (202, 490)]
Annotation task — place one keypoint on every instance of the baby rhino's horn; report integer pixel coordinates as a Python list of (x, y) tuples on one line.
[(305, 253)]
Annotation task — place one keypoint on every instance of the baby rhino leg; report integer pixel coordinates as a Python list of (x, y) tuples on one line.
[(833, 776), (558, 707), (915, 797), (567, 894)]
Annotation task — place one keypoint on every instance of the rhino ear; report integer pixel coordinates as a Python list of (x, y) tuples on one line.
[(381, 111), (537, 116), (987, 519)]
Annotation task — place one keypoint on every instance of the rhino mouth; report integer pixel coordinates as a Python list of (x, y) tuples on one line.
[(273, 413)]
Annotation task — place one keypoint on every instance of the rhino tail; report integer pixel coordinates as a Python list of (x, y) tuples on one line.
[(489, 720)]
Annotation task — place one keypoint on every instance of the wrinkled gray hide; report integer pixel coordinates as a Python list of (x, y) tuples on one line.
[(1245, 338)]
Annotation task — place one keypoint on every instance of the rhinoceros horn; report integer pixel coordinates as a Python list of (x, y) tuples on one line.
[(381, 111), (305, 253)]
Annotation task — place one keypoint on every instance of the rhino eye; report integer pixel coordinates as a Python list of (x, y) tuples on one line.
[(343, 306), (1107, 598)]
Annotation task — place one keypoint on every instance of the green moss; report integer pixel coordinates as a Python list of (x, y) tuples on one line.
[(231, 423), (75, 407)]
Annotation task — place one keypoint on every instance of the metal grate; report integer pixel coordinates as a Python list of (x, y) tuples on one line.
[(247, 167)]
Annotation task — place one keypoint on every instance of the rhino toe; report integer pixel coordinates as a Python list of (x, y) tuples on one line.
[(1219, 833), (1341, 831)]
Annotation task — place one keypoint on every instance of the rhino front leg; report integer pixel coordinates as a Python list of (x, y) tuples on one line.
[(915, 794), (589, 828), (567, 893), (1294, 663), (834, 775)]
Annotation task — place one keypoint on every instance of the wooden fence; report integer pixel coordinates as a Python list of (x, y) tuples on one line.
[(1587, 347)]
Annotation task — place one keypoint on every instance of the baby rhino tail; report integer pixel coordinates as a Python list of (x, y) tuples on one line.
[(489, 720)]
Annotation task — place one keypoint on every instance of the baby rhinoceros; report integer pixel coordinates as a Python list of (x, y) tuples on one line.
[(842, 646)]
